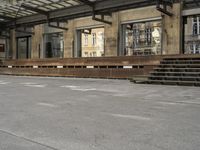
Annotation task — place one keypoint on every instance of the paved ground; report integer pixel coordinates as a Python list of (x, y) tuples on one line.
[(93, 114)]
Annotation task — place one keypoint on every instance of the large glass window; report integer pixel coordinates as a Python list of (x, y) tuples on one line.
[(192, 35), (143, 38), (54, 45), (24, 47), (92, 44)]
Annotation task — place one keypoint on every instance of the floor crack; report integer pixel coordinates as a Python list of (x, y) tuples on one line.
[(28, 140)]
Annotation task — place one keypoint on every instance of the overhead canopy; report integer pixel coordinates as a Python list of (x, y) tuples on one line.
[(38, 11), (191, 4), (22, 8), (32, 12)]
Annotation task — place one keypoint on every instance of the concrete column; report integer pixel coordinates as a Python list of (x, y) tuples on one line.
[(172, 31), (69, 40), (13, 44), (111, 36), (37, 42)]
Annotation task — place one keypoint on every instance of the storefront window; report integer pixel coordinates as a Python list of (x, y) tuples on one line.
[(192, 35), (24, 47), (54, 45), (92, 44), (143, 38)]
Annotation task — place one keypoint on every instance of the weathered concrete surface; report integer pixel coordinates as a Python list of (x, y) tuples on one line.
[(93, 114)]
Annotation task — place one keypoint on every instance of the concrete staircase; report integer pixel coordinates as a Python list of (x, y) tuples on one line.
[(174, 71)]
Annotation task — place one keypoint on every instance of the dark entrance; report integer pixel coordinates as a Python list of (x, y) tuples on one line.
[(24, 47)]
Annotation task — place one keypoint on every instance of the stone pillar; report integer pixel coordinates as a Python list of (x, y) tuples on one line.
[(111, 36), (172, 31), (13, 44), (69, 40), (37, 42)]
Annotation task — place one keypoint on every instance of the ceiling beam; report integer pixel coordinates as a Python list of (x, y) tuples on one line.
[(34, 9), (6, 17), (87, 2), (104, 6)]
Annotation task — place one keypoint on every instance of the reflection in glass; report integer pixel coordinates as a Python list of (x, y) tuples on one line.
[(93, 43), (54, 45), (192, 35), (24, 47), (143, 38)]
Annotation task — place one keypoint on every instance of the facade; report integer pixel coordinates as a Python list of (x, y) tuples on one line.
[(139, 31)]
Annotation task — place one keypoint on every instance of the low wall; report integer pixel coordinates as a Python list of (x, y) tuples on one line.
[(106, 67)]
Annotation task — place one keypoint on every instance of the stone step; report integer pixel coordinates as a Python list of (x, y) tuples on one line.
[(177, 69), (196, 74), (165, 82), (182, 58), (174, 71), (180, 62), (176, 78), (179, 65), (172, 82)]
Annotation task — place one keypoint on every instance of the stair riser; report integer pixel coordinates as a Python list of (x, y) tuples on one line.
[(174, 79), (175, 74), (175, 62), (181, 59), (177, 70), (179, 66), (173, 83)]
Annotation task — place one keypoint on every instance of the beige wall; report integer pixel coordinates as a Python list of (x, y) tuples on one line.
[(69, 40), (13, 45), (172, 31), (111, 36), (37, 41)]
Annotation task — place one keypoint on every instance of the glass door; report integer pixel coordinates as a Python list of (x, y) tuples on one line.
[(23, 47)]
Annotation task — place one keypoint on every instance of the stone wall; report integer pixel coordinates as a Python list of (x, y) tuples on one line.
[(171, 31)]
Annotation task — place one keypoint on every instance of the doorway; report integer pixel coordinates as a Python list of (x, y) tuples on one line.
[(90, 42), (24, 47), (54, 45)]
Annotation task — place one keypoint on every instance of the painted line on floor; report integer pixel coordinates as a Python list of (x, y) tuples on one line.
[(32, 84), (134, 117), (85, 90), (168, 103), (4, 83), (28, 83), (35, 85), (188, 102), (69, 86), (180, 103), (47, 105), (78, 88)]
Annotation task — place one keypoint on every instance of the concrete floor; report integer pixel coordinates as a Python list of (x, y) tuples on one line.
[(94, 114)]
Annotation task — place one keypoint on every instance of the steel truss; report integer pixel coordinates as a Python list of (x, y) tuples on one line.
[(85, 8)]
